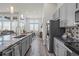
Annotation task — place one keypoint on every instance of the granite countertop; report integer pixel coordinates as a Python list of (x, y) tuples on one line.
[(72, 48), (8, 40)]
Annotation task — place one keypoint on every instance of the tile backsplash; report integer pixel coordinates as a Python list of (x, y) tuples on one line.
[(74, 31)]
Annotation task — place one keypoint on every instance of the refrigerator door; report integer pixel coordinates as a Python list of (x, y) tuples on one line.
[(54, 31)]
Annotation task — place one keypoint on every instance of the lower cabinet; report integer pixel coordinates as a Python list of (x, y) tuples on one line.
[(24, 46), (14, 50), (26, 42), (19, 48), (59, 48), (61, 51), (8, 52)]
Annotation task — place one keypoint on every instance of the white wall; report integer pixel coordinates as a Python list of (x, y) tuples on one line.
[(48, 11), (59, 4)]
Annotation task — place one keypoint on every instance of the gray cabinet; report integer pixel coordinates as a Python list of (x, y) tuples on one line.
[(26, 42), (8, 52), (24, 46), (59, 48), (63, 15), (30, 38), (71, 14), (14, 50), (56, 15), (17, 49), (62, 51), (67, 15)]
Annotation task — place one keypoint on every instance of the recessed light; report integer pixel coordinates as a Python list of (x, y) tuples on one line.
[(11, 9)]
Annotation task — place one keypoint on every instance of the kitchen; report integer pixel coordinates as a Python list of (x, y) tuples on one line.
[(55, 25)]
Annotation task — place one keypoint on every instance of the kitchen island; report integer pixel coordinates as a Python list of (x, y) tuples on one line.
[(12, 45)]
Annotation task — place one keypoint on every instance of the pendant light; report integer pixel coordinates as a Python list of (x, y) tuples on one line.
[(11, 9)]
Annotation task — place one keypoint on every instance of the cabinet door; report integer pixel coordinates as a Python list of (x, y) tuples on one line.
[(71, 14), (8, 52), (56, 15), (61, 51), (17, 49), (59, 48), (24, 47), (28, 42), (63, 14), (56, 50)]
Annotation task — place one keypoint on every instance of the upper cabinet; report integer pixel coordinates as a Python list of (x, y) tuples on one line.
[(71, 14), (67, 15), (56, 15), (63, 15)]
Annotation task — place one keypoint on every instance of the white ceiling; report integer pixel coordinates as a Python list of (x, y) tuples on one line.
[(32, 10), (28, 9)]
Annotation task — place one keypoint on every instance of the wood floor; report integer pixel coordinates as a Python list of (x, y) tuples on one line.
[(38, 49)]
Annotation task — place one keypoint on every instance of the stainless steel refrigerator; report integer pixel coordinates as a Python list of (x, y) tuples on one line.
[(54, 31)]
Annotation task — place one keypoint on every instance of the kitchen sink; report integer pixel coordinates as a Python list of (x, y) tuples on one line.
[(20, 36)]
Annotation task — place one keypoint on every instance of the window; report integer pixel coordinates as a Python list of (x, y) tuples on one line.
[(0, 39), (34, 21), (0, 43), (6, 25), (31, 27), (0, 26), (34, 25), (14, 25), (6, 38), (21, 26)]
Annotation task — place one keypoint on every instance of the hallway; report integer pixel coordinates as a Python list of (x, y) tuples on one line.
[(38, 49)]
